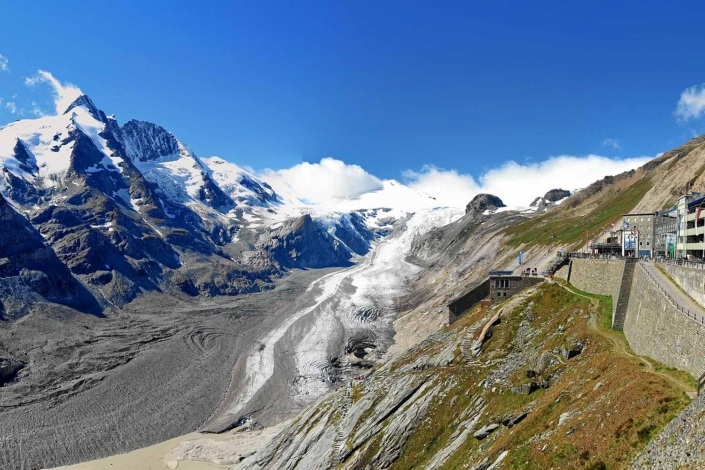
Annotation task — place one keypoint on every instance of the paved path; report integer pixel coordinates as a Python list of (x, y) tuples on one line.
[(683, 300)]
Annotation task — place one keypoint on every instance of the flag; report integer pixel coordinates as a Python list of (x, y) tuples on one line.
[(521, 257), (612, 225)]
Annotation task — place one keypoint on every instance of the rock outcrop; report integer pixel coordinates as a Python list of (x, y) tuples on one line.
[(31, 271), (483, 203), (556, 195)]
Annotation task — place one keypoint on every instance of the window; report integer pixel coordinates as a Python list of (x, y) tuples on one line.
[(501, 283)]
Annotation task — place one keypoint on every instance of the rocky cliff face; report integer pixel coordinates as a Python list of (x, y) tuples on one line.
[(31, 271)]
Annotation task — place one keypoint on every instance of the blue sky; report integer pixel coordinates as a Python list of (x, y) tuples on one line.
[(390, 86)]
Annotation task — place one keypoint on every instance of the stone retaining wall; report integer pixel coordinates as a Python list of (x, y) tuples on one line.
[(655, 328), (459, 306), (597, 276), (691, 280)]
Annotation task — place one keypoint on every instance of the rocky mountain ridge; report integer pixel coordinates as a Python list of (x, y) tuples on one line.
[(130, 209)]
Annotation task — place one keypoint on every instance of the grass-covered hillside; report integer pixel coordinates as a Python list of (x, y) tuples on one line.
[(568, 226), (550, 388)]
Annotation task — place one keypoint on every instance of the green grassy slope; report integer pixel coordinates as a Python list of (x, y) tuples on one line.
[(568, 226)]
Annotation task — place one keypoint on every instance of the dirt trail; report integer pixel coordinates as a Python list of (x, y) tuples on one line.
[(621, 346)]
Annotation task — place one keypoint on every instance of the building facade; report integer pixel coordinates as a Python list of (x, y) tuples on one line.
[(665, 225), (506, 285), (690, 226), (639, 233)]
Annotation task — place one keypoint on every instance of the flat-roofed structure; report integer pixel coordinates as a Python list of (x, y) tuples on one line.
[(505, 284)]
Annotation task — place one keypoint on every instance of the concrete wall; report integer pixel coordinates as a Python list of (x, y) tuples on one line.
[(691, 280), (564, 273), (597, 276), (459, 306), (655, 328)]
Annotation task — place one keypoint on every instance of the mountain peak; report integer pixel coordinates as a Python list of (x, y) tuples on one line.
[(84, 101)]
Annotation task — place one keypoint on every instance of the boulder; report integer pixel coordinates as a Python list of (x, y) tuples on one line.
[(526, 389), (485, 431), (572, 351)]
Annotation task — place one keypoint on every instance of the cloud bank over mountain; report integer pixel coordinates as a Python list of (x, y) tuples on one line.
[(315, 183), (518, 184)]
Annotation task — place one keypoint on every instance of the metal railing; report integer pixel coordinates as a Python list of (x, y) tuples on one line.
[(683, 262), (698, 318), (606, 256)]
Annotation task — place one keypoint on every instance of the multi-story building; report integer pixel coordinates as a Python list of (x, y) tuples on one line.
[(639, 234), (690, 226), (665, 225)]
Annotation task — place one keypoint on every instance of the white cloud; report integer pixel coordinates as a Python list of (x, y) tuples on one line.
[(36, 110), (614, 143), (64, 93), (3, 63), (12, 107), (691, 104), (449, 187), (316, 183), (517, 185)]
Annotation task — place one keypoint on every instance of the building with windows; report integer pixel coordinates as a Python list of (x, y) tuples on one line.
[(609, 243), (690, 226), (639, 233), (665, 224), (505, 284)]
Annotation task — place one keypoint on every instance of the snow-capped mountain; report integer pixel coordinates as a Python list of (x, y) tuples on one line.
[(130, 209), (242, 186)]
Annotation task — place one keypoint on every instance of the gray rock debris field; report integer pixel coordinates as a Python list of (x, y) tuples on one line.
[(95, 387)]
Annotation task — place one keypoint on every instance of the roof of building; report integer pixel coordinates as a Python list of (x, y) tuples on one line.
[(696, 202), (501, 273)]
